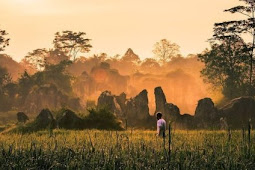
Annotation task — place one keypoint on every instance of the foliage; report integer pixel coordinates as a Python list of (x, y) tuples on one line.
[(14, 94), (5, 86), (164, 50), (72, 42), (3, 40), (150, 65), (239, 28), (5, 77), (102, 118), (39, 59), (226, 66)]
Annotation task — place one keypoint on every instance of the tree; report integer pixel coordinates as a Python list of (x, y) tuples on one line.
[(37, 58), (56, 75), (240, 28), (72, 43), (5, 78), (150, 65), (3, 41), (25, 83), (164, 50), (226, 66)]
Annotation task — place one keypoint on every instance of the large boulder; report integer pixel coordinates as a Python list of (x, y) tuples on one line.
[(206, 114), (137, 111), (106, 99), (44, 120), (121, 100), (239, 111), (185, 121), (170, 111), (69, 120), (160, 99), (22, 117)]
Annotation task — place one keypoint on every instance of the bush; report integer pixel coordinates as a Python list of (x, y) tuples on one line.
[(102, 118)]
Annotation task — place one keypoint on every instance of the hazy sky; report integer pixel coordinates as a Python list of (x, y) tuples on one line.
[(113, 25)]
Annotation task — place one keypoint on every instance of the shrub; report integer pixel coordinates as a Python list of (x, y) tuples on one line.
[(102, 118)]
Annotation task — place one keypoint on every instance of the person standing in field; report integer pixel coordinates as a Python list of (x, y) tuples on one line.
[(161, 126)]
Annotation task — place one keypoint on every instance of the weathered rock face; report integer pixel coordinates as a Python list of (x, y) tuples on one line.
[(22, 117), (44, 120), (121, 100), (238, 112), (106, 99), (206, 114), (160, 99), (69, 120), (172, 112), (185, 121), (137, 109), (205, 109), (169, 110)]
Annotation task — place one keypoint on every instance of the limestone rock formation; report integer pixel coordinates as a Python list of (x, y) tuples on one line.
[(22, 117), (239, 111), (160, 99), (137, 109), (185, 121), (69, 120), (121, 100), (206, 113), (44, 120), (170, 111), (106, 99), (205, 109)]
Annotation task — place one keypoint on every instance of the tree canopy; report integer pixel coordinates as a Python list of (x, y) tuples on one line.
[(3, 40), (72, 43), (240, 28), (226, 66), (164, 50)]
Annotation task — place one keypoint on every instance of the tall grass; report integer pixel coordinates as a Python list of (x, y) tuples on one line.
[(131, 149)]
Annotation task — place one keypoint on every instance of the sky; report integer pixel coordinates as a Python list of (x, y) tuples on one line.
[(113, 25)]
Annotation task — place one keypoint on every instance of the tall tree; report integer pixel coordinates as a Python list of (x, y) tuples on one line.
[(226, 65), (72, 43), (5, 77), (37, 58), (164, 50), (239, 28), (3, 40)]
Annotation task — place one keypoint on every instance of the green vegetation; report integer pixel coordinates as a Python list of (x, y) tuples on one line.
[(102, 118), (92, 149), (97, 118)]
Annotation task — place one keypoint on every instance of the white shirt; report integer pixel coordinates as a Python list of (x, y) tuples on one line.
[(161, 127)]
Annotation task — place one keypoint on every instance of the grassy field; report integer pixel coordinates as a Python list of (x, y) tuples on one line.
[(93, 149)]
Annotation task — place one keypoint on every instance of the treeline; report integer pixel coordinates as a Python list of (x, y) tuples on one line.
[(57, 77)]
